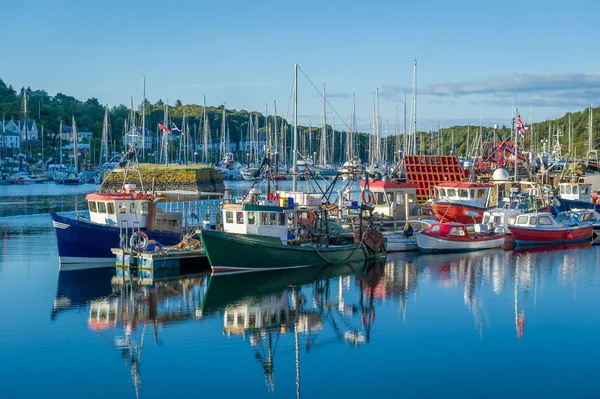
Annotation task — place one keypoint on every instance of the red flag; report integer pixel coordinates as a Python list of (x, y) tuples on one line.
[(162, 127)]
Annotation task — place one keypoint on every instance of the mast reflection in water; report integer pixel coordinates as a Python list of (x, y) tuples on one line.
[(323, 332)]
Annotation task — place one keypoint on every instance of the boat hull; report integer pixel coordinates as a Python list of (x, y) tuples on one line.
[(234, 253), (532, 236), (400, 243), (430, 243), (86, 245), (447, 212)]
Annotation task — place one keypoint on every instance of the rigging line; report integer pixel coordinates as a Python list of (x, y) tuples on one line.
[(321, 94), (287, 112)]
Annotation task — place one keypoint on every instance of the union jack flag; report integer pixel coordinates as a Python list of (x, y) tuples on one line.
[(520, 125)]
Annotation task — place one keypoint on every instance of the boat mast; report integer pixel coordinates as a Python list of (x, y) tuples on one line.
[(323, 147), (295, 148), (60, 133), (205, 133), (26, 127), (590, 138), (75, 160), (144, 121), (104, 143), (405, 138), (414, 116)]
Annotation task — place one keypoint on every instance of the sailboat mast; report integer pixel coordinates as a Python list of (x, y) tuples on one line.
[(295, 148), (75, 160), (144, 121), (405, 138), (60, 133), (276, 145), (323, 148)]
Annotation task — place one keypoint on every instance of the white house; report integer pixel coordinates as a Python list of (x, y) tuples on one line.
[(26, 129), (9, 138)]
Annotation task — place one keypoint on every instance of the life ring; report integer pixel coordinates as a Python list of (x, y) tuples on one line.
[(139, 241), (367, 197), (310, 217), (364, 317)]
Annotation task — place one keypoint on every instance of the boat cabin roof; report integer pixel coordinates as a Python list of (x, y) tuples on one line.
[(389, 184), (256, 208), (118, 196), (446, 229), (539, 220), (464, 184)]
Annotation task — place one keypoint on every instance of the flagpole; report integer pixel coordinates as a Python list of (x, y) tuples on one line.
[(516, 149)]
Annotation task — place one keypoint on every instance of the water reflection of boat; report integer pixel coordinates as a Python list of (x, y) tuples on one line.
[(75, 289), (264, 307), (225, 289)]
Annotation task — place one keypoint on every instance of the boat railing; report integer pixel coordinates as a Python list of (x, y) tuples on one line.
[(124, 234), (194, 213)]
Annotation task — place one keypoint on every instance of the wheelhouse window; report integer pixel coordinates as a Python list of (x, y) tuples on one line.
[(101, 207), (132, 207), (251, 218), (544, 220), (122, 208), (562, 189), (451, 192), (575, 190), (92, 206), (442, 192), (264, 218), (532, 221), (585, 190), (272, 218), (522, 219), (110, 207), (511, 220), (411, 198), (379, 199), (144, 208), (464, 193), (228, 217), (480, 193), (472, 193), (281, 217), (400, 198), (239, 217), (457, 231)]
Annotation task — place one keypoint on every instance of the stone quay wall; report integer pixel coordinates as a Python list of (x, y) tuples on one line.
[(193, 178)]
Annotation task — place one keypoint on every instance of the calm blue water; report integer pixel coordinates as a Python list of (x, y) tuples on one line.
[(493, 324)]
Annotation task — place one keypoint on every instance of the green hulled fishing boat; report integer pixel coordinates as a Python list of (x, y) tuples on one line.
[(275, 232), (233, 252)]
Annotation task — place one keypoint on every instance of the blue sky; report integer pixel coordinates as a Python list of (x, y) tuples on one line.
[(475, 58)]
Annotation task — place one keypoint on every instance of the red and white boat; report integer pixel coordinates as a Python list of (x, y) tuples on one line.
[(458, 237), (462, 202), (540, 228)]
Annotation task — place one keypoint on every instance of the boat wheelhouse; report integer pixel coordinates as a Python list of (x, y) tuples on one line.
[(462, 202), (575, 195), (114, 209), (262, 220), (396, 200)]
